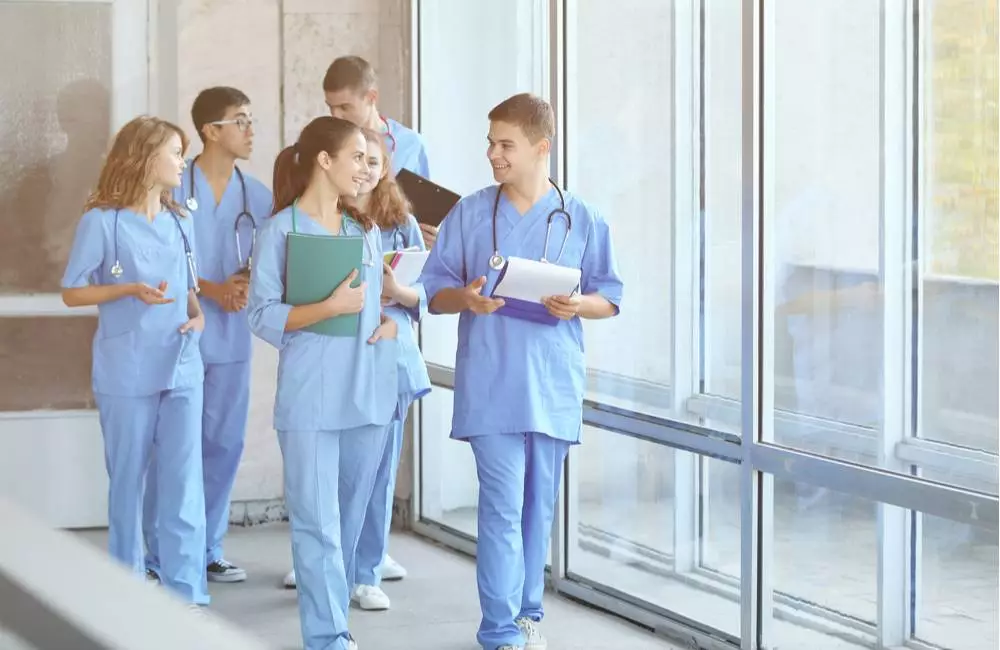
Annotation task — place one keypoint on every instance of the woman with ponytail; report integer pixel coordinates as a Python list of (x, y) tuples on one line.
[(335, 395)]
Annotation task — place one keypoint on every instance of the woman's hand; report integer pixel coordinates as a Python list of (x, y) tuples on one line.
[(196, 324), (151, 296), (387, 330), (346, 299)]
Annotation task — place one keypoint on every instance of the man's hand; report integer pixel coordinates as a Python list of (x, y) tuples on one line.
[(430, 235), (563, 307), (476, 302), (234, 292)]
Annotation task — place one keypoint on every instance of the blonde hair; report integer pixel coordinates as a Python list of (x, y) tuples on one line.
[(388, 206), (129, 163)]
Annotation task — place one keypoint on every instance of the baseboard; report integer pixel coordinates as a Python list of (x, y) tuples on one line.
[(255, 512)]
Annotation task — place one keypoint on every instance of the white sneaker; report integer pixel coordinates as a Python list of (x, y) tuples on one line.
[(290, 580), (392, 570), (351, 643), (370, 597), (533, 639)]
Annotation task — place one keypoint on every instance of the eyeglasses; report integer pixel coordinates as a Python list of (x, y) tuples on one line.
[(242, 123)]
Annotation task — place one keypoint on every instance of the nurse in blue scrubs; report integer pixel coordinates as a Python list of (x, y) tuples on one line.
[(227, 205), (133, 257), (335, 395), (351, 90), (381, 199), (519, 384)]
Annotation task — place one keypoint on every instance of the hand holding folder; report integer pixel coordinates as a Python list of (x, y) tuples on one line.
[(524, 284)]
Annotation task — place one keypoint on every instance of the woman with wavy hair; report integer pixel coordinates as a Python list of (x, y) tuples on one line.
[(133, 258)]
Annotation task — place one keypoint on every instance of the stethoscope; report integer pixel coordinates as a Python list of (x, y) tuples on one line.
[(388, 134), (192, 204), (117, 270), (497, 260), (344, 218), (398, 239)]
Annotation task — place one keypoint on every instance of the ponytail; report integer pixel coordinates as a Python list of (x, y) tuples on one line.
[(290, 179)]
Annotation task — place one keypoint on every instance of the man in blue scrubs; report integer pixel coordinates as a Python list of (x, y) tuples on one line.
[(218, 194), (351, 90), (519, 384)]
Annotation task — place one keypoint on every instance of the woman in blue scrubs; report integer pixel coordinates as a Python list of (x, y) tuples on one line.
[(133, 258), (335, 395), (381, 199)]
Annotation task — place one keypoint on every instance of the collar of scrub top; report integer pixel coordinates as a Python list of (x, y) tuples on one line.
[(497, 261), (344, 218), (191, 202), (117, 270), (387, 133)]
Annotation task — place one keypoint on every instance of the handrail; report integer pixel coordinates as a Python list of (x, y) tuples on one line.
[(59, 592)]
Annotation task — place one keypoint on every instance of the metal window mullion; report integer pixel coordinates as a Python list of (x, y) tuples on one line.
[(684, 257)]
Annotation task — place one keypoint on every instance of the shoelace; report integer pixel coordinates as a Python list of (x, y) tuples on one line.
[(528, 628), (223, 564)]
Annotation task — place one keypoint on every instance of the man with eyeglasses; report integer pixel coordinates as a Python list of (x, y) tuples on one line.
[(227, 206)]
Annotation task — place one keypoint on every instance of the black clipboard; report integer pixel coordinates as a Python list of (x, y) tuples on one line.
[(431, 203)]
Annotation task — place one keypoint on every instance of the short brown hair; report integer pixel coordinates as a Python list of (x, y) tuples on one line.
[(349, 72), (531, 113)]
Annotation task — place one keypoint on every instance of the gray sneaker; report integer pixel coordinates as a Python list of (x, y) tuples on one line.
[(533, 639)]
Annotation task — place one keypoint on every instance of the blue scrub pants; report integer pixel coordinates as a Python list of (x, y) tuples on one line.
[(328, 483), (167, 425), (223, 426), (374, 541), (519, 477)]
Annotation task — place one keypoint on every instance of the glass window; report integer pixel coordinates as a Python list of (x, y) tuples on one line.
[(960, 215), (55, 123), (825, 574), (635, 528), (619, 159)]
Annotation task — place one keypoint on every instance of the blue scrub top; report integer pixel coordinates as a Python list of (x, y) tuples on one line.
[(138, 350), (513, 375), (410, 151), (227, 335), (414, 382), (325, 383)]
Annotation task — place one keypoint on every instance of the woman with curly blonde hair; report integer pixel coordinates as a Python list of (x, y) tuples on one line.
[(133, 258)]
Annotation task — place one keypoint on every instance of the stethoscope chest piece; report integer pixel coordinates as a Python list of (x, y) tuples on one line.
[(496, 261), (191, 203), (117, 270)]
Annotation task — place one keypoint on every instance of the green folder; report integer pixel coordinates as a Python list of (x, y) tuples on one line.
[(316, 265)]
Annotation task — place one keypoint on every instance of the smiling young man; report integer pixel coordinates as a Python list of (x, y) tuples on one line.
[(350, 87), (226, 204), (519, 384)]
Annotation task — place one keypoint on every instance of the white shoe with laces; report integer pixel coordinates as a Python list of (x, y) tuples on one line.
[(370, 598), (533, 639), (351, 643), (392, 570), (289, 581)]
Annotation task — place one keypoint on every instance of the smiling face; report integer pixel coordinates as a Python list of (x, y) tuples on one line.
[(512, 155), (376, 168), (347, 170), (233, 134), (168, 163)]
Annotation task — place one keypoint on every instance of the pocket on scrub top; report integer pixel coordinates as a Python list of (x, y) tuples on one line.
[(116, 363)]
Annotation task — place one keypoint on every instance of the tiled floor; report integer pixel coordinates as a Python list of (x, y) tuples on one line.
[(434, 608)]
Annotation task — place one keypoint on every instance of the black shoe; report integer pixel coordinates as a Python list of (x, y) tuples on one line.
[(222, 571)]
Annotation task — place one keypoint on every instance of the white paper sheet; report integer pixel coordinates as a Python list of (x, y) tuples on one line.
[(409, 266), (530, 280)]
